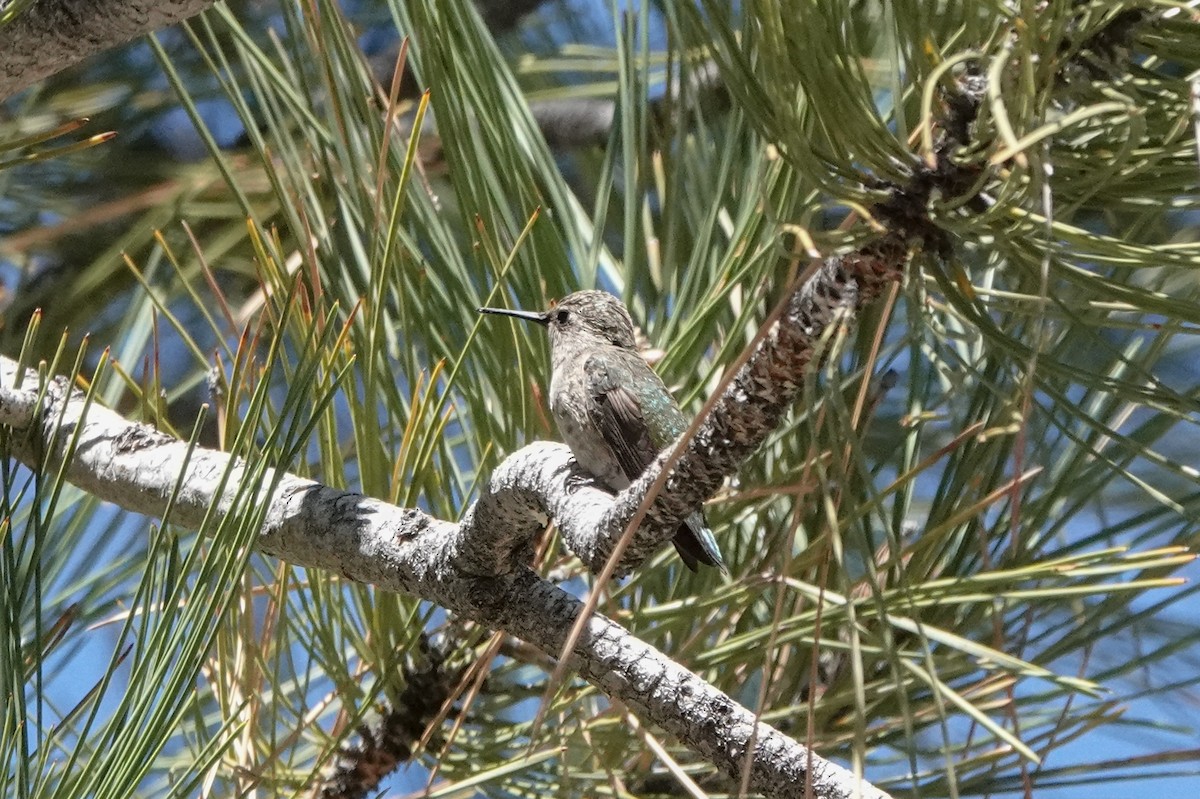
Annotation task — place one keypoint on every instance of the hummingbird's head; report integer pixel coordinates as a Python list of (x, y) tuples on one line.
[(595, 315), (581, 317)]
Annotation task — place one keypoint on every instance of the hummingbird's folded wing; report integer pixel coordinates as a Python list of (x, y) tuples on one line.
[(618, 416)]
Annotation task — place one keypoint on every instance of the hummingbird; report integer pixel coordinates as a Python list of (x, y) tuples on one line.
[(613, 410)]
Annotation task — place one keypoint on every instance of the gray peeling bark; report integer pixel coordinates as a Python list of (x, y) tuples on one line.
[(52, 35), (478, 567)]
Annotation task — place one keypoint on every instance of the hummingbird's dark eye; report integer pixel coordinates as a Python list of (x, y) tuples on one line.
[(562, 316)]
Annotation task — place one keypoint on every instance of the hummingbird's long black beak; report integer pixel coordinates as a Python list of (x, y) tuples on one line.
[(541, 317)]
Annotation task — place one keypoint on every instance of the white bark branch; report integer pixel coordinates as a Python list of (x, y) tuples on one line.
[(404, 549)]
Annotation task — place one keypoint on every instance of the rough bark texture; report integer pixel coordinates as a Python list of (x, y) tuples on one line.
[(753, 406), (52, 35)]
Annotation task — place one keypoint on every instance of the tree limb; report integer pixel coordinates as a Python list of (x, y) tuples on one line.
[(52, 35), (405, 549)]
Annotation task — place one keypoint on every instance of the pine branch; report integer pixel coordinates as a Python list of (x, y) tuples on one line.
[(383, 746), (477, 567), (755, 402), (474, 568)]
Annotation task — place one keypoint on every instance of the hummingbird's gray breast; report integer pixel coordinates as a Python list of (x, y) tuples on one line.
[(571, 404)]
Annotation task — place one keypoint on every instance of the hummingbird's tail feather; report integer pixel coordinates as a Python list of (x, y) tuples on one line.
[(695, 544)]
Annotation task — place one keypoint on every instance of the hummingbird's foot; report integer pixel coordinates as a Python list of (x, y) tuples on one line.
[(579, 478)]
